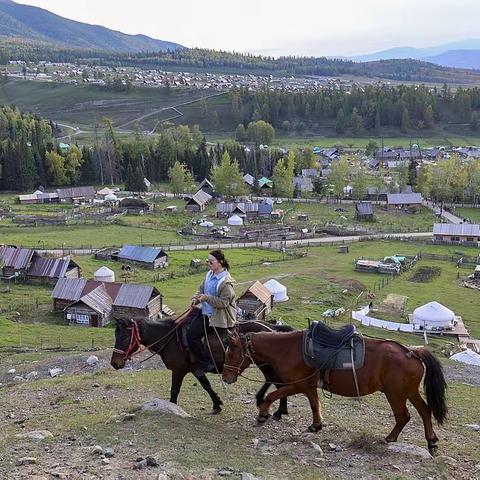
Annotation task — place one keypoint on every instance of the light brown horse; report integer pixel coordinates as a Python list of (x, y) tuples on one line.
[(389, 367)]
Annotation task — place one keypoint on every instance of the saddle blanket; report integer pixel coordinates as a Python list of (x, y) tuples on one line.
[(322, 357)]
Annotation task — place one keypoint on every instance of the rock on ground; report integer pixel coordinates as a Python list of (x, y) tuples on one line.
[(164, 406), (409, 449)]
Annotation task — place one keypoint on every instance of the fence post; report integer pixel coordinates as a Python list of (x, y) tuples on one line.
[(93, 341)]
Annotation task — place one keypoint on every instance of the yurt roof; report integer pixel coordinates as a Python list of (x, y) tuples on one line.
[(433, 312), (235, 220), (467, 356), (110, 197), (274, 286), (103, 272)]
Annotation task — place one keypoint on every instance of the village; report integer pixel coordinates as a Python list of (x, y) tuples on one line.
[(289, 226), (99, 75)]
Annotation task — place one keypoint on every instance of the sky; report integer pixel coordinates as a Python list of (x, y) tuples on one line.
[(281, 27)]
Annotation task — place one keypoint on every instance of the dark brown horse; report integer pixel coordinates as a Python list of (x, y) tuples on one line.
[(389, 367), (164, 338)]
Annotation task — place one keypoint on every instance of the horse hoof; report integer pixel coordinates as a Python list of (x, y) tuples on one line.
[(262, 418), (433, 449), (216, 410), (315, 428), (277, 416)]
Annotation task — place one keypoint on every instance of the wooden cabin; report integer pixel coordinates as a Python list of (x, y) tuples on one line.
[(255, 304)]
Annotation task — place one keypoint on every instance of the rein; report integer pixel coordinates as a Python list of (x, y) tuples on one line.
[(247, 346), (135, 346)]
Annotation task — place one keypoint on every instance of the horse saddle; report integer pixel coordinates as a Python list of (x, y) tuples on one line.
[(327, 349)]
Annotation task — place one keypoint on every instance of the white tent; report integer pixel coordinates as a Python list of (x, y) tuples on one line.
[(278, 290), (104, 274), (433, 314), (467, 356), (111, 197), (235, 220)]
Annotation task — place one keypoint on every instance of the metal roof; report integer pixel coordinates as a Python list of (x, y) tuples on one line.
[(131, 295), (69, 288), (16, 258), (75, 192), (201, 197), (140, 254), (404, 198), (250, 179), (98, 299), (364, 208), (463, 229), (48, 267), (122, 294)]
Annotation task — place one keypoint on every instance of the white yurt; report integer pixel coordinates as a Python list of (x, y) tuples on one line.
[(467, 356), (104, 274), (278, 290), (433, 314), (235, 220), (111, 197), (206, 223)]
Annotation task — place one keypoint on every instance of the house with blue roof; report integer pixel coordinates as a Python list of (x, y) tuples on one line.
[(147, 257)]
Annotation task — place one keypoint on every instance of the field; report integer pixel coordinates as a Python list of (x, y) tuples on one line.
[(87, 405), (321, 279), (473, 214)]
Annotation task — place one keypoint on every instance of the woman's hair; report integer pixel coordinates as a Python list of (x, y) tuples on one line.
[(218, 254)]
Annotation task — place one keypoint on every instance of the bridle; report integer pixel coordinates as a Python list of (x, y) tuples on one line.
[(135, 342), (246, 352), (135, 346)]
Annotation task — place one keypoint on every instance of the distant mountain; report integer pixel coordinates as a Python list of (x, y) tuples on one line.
[(36, 24), (428, 53), (457, 59)]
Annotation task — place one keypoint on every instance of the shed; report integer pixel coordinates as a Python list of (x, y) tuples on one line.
[(135, 205), (343, 249), (206, 186), (466, 233), (92, 310), (249, 179), (364, 211), (47, 271), (76, 194), (404, 200), (255, 303), (278, 290), (199, 202), (147, 257), (15, 261), (433, 315), (467, 356), (130, 301)]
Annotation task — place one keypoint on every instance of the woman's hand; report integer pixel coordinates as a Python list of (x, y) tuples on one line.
[(202, 297)]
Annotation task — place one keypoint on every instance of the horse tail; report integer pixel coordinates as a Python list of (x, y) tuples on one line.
[(435, 385)]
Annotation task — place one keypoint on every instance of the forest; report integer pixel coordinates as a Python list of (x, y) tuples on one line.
[(359, 109), (198, 59)]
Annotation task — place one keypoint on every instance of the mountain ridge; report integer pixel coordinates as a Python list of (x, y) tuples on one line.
[(37, 24)]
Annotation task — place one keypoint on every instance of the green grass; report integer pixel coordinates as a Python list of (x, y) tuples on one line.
[(322, 279), (473, 214), (19, 334), (385, 221), (83, 105)]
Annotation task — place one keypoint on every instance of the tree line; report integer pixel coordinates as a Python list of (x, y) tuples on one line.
[(30, 155), (357, 109), (200, 59)]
